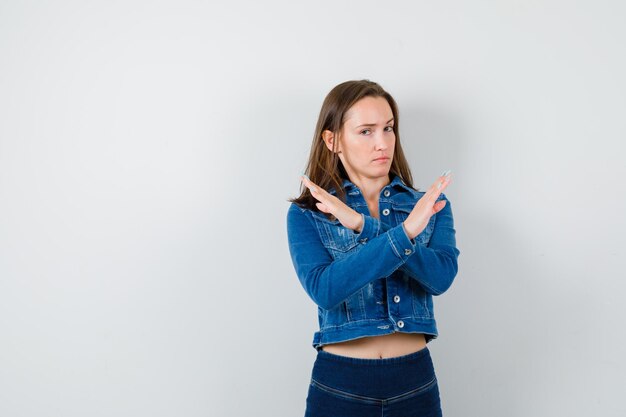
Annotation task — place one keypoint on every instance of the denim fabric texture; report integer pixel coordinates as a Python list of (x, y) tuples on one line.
[(400, 386), (377, 281)]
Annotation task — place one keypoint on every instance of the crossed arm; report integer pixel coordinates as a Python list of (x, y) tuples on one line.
[(434, 265), (328, 282)]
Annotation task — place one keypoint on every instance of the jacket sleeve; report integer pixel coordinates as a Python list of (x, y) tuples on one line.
[(434, 265), (329, 282)]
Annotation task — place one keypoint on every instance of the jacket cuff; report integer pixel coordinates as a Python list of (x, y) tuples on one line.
[(371, 228), (400, 242)]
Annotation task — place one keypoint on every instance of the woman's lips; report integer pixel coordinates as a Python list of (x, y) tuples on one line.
[(383, 159)]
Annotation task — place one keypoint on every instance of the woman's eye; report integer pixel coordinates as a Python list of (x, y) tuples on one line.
[(390, 129)]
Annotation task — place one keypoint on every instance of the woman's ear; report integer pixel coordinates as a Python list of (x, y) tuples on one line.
[(329, 138)]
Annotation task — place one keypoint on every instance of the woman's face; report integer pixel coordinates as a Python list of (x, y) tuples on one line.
[(366, 136)]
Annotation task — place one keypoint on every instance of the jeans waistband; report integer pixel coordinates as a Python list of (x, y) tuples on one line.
[(411, 357)]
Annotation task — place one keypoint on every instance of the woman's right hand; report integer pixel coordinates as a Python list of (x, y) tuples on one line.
[(328, 203), (428, 205)]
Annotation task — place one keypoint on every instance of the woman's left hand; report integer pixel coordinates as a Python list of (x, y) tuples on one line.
[(328, 203)]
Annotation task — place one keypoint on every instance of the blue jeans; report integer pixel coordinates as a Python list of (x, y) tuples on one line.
[(400, 386)]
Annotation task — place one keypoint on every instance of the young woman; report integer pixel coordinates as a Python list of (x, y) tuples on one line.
[(371, 251)]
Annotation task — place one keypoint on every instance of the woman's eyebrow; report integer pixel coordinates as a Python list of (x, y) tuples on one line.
[(373, 124)]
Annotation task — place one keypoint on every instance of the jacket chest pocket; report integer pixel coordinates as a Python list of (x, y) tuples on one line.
[(338, 239), (401, 212)]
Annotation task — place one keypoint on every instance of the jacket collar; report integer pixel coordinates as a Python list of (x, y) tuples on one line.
[(396, 182)]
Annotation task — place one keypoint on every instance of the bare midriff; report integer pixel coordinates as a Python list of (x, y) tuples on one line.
[(379, 347)]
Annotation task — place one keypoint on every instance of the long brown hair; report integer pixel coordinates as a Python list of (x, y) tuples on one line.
[(324, 167)]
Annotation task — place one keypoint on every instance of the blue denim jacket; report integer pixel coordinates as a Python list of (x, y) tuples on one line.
[(377, 281)]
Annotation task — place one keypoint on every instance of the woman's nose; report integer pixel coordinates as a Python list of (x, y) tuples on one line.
[(381, 143)]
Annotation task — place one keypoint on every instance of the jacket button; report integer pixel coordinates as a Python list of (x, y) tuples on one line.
[(400, 324), (396, 298), (386, 212), (386, 193), (407, 251), (363, 240)]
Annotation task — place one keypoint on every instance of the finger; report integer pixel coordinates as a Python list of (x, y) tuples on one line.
[(439, 205), (308, 183), (435, 191), (437, 187), (442, 181), (305, 180), (441, 186), (322, 207), (317, 192)]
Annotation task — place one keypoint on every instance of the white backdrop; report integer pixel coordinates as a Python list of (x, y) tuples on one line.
[(147, 150)]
